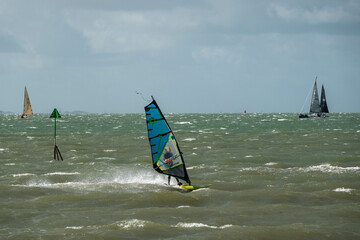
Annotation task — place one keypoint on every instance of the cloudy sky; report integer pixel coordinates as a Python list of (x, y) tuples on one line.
[(192, 56)]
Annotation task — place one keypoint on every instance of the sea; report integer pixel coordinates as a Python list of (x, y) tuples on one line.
[(272, 176)]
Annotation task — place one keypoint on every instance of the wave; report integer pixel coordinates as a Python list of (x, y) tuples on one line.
[(201, 225), (61, 173), (347, 190), (23, 174), (324, 168)]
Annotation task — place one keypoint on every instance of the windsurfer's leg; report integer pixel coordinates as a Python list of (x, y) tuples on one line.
[(178, 182), (169, 180)]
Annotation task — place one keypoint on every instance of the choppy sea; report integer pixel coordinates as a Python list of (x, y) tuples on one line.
[(272, 176)]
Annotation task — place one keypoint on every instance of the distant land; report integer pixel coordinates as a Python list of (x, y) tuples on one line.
[(75, 112), (5, 112), (66, 112)]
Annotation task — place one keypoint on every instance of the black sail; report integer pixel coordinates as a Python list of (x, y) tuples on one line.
[(323, 104)]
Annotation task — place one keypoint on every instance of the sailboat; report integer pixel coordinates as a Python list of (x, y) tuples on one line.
[(167, 157), (27, 105), (317, 109)]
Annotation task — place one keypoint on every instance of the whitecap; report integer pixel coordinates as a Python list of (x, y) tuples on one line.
[(183, 206), (201, 225), (182, 123), (249, 156), (347, 190), (189, 139), (23, 174), (105, 158), (3, 149), (329, 169), (61, 173), (109, 150), (133, 223), (271, 163), (30, 138), (75, 227), (282, 119), (10, 164)]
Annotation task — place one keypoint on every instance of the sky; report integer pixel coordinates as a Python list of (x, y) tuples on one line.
[(203, 56)]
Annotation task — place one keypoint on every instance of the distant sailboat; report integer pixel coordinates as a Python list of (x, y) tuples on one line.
[(317, 109), (27, 105)]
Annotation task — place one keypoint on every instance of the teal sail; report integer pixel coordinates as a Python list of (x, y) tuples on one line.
[(166, 155)]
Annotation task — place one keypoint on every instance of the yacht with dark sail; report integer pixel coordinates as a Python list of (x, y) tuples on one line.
[(317, 108)]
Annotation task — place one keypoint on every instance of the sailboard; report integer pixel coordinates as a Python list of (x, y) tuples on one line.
[(27, 105), (167, 157)]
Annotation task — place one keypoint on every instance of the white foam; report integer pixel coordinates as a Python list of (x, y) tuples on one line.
[(9, 164), (329, 169), (30, 138), (189, 139), (109, 150), (182, 123), (105, 158), (249, 156), (131, 224), (282, 119), (23, 174), (75, 227), (347, 190), (271, 163), (3, 149), (209, 147), (201, 225), (183, 206), (61, 173)]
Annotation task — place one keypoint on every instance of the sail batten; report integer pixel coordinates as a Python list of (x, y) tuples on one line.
[(166, 155)]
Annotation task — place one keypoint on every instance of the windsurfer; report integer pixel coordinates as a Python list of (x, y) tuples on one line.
[(168, 159)]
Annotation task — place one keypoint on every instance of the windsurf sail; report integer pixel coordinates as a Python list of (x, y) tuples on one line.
[(323, 104), (315, 105), (166, 155), (27, 104)]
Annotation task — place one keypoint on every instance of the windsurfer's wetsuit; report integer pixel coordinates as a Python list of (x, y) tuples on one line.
[(168, 155)]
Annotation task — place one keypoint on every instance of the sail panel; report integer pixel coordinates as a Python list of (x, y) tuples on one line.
[(166, 155), (27, 104), (323, 104), (315, 105)]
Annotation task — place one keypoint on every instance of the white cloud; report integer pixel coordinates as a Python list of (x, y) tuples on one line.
[(121, 31), (325, 14), (208, 53)]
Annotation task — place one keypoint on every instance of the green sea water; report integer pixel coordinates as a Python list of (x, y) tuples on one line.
[(272, 176)]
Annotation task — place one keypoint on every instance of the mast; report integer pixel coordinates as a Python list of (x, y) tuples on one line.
[(27, 104), (315, 106), (323, 104)]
